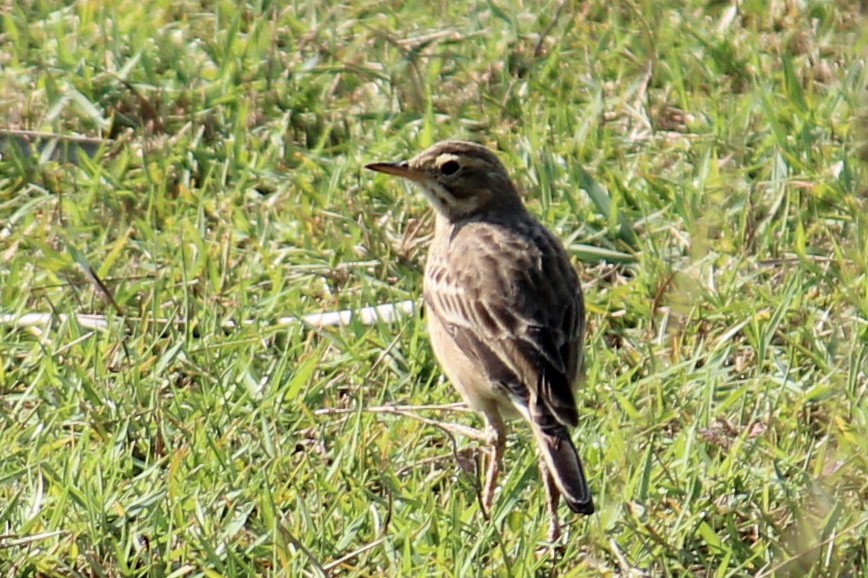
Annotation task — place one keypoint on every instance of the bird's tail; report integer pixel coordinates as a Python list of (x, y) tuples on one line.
[(562, 460)]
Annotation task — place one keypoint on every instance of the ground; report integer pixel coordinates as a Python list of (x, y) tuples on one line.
[(700, 159)]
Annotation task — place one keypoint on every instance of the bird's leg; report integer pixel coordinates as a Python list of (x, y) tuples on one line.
[(553, 497), (497, 439)]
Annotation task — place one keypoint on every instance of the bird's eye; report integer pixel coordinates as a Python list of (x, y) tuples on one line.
[(450, 168)]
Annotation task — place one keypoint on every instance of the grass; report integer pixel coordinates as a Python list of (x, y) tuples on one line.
[(701, 160)]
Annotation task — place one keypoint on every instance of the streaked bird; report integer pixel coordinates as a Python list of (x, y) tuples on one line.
[(505, 311)]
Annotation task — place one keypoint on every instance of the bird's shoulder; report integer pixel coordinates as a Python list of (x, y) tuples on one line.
[(503, 279), (515, 258)]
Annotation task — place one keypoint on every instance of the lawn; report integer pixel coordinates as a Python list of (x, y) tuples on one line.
[(701, 160)]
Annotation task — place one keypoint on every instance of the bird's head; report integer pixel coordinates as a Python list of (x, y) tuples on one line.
[(460, 179)]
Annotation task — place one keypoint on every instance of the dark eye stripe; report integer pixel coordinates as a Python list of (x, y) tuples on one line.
[(460, 192)]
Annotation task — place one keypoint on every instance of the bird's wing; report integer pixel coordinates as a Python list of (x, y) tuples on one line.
[(512, 302)]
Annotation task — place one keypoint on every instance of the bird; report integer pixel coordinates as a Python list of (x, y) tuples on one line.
[(505, 312)]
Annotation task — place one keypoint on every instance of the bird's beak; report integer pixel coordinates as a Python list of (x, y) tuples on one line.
[(399, 168)]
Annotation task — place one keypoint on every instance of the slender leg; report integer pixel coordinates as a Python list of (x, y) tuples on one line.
[(553, 497), (497, 433)]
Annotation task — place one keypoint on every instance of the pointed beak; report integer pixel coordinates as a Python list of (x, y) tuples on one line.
[(399, 168)]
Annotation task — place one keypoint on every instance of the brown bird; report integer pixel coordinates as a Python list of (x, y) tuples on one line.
[(505, 311)]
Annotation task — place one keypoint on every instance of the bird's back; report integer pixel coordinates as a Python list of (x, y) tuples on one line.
[(504, 290)]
